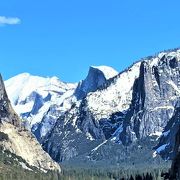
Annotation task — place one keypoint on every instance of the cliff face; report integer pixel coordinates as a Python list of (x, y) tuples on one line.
[(175, 168), (20, 141), (6, 111), (169, 143), (136, 104), (155, 94)]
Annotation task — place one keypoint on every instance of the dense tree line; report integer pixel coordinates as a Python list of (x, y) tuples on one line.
[(11, 169), (18, 173)]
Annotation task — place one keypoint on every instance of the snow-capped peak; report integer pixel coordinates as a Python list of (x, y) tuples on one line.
[(34, 98), (108, 71), (22, 85)]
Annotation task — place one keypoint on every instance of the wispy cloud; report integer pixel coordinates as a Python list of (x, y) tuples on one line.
[(9, 20)]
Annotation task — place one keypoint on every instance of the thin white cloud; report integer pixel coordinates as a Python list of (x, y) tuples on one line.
[(9, 20)]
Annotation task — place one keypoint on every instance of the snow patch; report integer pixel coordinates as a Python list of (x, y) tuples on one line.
[(24, 166), (174, 86), (161, 148), (96, 148), (166, 133), (33, 98), (162, 107)]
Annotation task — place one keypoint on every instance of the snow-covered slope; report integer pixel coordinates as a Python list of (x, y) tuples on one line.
[(38, 100), (20, 90)]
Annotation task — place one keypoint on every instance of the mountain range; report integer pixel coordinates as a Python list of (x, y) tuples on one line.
[(120, 119)]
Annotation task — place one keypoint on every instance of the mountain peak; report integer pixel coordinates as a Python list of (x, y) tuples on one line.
[(21, 86), (108, 71), (96, 77)]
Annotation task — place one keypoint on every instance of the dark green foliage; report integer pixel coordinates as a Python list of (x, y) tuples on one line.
[(111, 174)]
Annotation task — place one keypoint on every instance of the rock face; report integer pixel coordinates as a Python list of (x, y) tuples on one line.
[(97, 76), (6, 111), (20, 141), (135, 104), (175, 169), (169, 144)]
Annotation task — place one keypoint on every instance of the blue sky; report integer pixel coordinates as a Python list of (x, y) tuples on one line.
[(65, 37)]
